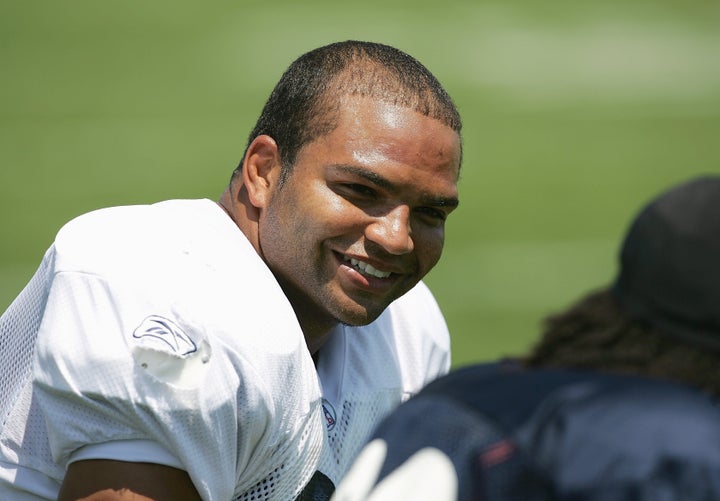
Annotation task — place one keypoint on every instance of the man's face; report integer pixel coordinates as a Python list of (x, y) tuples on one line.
[(361, 219)]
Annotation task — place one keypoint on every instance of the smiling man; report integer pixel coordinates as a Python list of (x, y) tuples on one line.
[(244, 349), (364, 208)]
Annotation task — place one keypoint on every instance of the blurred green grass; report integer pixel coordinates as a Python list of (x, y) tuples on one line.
[(575, 114)]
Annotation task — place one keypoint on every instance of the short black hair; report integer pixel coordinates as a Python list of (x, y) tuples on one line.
[(304, 105)]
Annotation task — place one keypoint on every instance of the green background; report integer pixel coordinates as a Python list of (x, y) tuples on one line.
[(575, 113)]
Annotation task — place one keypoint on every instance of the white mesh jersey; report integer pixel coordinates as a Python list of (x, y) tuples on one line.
[(157, 334), (366, 372)]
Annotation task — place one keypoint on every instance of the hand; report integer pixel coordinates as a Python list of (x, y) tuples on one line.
[(426, 475)]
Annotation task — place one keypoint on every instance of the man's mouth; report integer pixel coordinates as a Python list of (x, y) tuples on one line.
[(366, 269)]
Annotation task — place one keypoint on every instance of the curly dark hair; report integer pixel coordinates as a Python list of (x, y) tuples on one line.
[(305, 103), (595, 333)]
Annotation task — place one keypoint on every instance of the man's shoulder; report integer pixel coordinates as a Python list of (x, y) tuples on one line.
[(411, 336), (129, 219), (417, 315), (418, 306), (133, 234)]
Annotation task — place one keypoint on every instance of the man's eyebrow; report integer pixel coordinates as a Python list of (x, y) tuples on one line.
[(368, 175), (433, 201), (377, 179)]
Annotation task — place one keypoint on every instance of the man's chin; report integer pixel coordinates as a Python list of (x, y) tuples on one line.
[(360, 316)]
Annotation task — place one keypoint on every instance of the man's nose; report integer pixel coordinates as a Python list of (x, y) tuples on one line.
[(392, 231)]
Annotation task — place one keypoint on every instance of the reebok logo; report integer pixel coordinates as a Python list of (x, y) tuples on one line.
[(163, 334)]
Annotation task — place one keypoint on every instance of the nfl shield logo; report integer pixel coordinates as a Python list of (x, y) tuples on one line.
[(329, 413)]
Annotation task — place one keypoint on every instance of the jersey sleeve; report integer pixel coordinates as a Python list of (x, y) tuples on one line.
[(164, 327), (106, 372), (133, 451)]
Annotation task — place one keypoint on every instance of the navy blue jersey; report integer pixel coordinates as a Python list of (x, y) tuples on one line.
[(513, 433)]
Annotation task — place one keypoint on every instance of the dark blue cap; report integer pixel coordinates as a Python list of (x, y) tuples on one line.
[(670, 263)]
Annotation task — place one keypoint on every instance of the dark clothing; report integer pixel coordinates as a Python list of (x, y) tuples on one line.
[(558, 434)]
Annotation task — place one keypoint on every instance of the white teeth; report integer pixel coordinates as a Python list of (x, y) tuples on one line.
[(368, 269)]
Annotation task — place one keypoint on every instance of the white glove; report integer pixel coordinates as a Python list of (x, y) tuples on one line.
[(426, 475)]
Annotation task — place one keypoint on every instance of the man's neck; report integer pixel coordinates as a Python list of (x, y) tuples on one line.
[(316, 332), (316, 328)]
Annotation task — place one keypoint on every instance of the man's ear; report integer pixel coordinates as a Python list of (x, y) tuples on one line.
[(261, 170)]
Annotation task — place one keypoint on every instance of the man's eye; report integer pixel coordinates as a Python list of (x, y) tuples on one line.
[(435, 215), (360, 189)]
